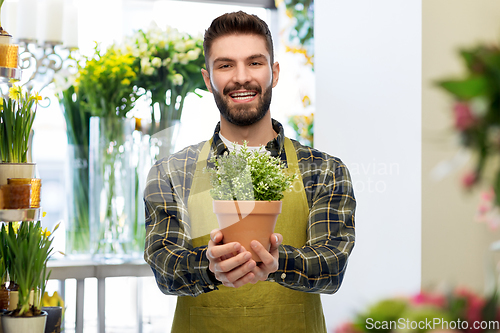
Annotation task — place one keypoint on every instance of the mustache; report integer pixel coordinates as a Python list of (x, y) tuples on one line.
[(247, 86)]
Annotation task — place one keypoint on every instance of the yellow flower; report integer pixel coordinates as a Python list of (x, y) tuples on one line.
[(15, 92), (126, 82)]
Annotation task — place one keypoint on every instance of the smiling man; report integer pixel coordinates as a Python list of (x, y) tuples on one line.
[(314, 233)]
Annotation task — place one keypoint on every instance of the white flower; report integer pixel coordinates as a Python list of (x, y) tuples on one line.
[(178, 79), (180, 46), (156, 62), (145, 62), (183, 59), (190, 43), (148, 71), (166, 62), (193, 54), (175, 58)]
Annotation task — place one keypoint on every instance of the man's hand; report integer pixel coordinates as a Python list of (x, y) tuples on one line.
[(230, 263), (269, 259)]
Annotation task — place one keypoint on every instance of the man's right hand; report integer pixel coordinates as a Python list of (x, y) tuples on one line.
[(230, 263)]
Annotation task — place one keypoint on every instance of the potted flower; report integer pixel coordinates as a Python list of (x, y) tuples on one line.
[(247, 188), (17, 113), (26, 251)]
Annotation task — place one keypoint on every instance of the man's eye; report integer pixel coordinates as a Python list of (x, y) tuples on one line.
[(255, 63), (224, 66)]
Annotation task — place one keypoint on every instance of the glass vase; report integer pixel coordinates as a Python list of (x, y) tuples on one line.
[(147, 150), (112, 187), (77, 185)]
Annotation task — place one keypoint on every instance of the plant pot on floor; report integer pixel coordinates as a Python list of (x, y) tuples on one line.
[(244, 221), (34, 324)]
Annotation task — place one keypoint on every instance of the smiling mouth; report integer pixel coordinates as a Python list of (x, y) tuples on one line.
[(242, 96)]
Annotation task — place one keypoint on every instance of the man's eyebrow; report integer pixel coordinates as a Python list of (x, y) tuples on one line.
[(252, 57), (222, 59)]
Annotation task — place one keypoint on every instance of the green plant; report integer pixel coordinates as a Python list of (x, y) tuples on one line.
[(77, 127), (26, 250), (248, 175), (17, 114), (476, 101)]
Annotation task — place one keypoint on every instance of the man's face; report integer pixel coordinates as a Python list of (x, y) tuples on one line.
[(241, 77)]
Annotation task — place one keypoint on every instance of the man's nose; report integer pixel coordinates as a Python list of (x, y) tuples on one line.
[(242, 75)]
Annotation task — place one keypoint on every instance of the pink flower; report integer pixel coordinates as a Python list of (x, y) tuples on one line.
[(346, 327), (464, 118), (469, 179), (424, 298)]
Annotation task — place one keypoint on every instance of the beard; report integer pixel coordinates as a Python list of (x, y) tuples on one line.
[(243, 115)]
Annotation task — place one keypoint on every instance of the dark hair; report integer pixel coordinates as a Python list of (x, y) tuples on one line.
[(237, 23)]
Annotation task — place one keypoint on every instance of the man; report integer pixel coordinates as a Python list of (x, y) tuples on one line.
[(314, 233)]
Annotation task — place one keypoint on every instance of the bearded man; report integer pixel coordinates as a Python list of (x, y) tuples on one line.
[(220, 287)]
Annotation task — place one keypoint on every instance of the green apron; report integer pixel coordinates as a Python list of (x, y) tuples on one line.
[(262, 307)]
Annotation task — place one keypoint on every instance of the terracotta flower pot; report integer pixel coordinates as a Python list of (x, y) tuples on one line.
[(244, 221)]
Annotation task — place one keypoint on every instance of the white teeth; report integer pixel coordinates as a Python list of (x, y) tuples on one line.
[(243, 94)]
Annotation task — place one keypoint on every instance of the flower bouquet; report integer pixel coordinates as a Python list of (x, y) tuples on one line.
[(107, 81), (247, 187), (168, 67)]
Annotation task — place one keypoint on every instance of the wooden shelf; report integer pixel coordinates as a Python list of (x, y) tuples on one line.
[(12, 215)]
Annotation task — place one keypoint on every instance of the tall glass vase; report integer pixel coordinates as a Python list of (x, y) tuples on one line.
[(77, 184), (112, 187)]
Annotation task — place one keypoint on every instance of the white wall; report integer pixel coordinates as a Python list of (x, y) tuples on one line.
[(368, 83)]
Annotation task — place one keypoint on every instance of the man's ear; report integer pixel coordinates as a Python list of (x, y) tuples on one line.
[(206, 78), (276, 73)]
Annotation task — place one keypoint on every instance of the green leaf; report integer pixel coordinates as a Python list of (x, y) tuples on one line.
[(467, 88)]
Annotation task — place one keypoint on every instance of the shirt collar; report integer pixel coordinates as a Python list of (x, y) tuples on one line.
[(275, 146)]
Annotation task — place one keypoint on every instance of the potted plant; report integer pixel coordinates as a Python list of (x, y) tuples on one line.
[(247, 188), (17, 113), (26, 251)]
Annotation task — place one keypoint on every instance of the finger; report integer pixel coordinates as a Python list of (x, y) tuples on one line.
[(216, 251), (216, 236), (241, 275), (262, 252), (276, 240), (233, 263)]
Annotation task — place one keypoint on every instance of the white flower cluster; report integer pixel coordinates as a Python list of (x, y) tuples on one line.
[(158, 48)]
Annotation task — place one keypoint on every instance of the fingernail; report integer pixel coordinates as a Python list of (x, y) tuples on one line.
[(276, 236), (247, 256)]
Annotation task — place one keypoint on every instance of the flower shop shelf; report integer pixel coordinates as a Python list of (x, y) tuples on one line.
[(63, 269), (30, 214)]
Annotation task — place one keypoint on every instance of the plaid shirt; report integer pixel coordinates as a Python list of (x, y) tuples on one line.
[(317, 267)]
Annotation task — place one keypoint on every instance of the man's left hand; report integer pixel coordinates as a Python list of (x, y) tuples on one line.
[(269, 258)]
